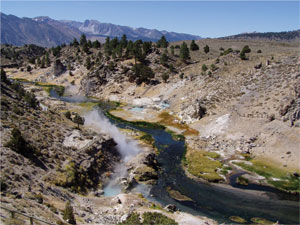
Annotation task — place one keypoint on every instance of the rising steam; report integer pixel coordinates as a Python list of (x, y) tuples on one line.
[(127, 148)]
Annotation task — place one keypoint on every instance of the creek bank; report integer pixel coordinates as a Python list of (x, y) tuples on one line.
[(85, 148), (219, 154)]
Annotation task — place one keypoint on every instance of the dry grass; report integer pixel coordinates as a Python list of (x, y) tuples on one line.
[(169, 120)]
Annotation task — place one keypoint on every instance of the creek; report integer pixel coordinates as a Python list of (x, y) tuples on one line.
[(214, 201)]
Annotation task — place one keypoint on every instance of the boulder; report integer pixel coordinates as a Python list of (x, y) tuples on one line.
[(258, 66), (171, 208), (150, 160), (98, 193), (145, 173), (59, 68)]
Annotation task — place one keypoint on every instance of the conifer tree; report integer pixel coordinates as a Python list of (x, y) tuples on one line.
[(194, 46), (206, 49), (184, 52), (83, 40), (68, 214)]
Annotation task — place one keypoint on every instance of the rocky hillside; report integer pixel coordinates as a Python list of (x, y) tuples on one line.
[(44, 159), (231, 97)]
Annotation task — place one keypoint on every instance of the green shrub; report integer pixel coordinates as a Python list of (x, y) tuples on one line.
[(171, 68), (149, 218), (3, 76), (206, 49), (243, 55), (213, 67), (134, 218), (246, 49), (31, 100), (68, 214), (157, 219), (204, 67), (68, 115), (165, 77), (3, 185), (17, 142), (79, 120), (229, 50), (194, 46)]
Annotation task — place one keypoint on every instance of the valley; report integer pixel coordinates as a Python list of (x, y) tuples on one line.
[(203, 133)]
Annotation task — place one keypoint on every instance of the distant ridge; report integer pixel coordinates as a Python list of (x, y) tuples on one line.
[(48, 32), (285, 35)]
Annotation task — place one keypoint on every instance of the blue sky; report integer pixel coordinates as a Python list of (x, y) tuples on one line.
[(204, 18)]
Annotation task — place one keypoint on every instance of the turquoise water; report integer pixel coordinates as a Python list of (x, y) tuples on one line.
[(137, 109), (111, 190)]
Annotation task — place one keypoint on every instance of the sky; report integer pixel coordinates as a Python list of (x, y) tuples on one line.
[(203, 18)]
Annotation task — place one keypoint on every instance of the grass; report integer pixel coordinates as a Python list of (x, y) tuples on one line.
[(225, 170), (237, 219), (200, 165), (213, 155), (287, 181), (175, 136), (147, 138), (177, 195), (48, 87), (242, 180), (169, 120), (258, 220), (136, 123)]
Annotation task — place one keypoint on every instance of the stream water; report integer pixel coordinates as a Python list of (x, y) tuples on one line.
[(213, 201)]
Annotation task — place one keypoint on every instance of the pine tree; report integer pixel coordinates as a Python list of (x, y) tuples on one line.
[(162, 43), (243, 55), (88, 63), (90, 45), (38, 61), (246, 49), (172, 49), (85, 48), (184, 52), (3, 76), (79, 120), (147, 47), (96, 44), (47, 60), (83, 40), (194, 46), (68, 214), (75, 42), (165, 77), (204, 67), (164, 59), (17, 142), (124, 41), (206, 49), (107, 49), (43, 62)]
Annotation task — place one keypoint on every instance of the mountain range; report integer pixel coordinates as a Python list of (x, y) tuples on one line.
[(48, 32)]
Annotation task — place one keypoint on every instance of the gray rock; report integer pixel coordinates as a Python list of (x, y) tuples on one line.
[(98, 193), (171, 208)]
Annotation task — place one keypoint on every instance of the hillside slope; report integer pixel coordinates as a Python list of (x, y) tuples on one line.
[(230, 106)]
